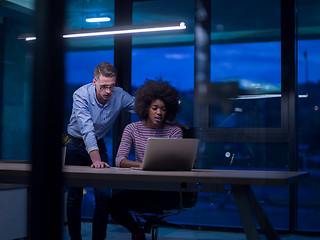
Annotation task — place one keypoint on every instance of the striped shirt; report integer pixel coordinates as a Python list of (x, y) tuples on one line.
[(137, 134)]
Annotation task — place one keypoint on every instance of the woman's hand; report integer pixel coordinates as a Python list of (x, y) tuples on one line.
[(126, 163)]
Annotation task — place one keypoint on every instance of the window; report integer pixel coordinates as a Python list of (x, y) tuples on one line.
[(308, 114), (256, 68), (16, 64)]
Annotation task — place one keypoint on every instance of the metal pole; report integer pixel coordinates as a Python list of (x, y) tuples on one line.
[(122, 62)]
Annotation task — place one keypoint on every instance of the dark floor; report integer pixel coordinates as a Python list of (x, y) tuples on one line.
[(117, 232)]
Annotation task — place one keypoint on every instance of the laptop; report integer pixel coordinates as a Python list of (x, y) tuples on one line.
[(170, 154)]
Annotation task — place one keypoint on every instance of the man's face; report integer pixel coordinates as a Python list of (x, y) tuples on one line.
[(104, 88)]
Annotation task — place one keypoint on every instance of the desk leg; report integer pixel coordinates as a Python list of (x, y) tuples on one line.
[(242, 200), (249, 208)]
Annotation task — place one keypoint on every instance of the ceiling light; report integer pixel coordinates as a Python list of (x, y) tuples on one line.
[(30, 38), (125, 31), (118, 30), (98, 19)]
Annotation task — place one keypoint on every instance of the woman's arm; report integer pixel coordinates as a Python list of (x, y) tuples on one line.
[(124, 149), (126, 163)]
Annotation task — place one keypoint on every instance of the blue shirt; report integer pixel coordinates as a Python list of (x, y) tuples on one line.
[(90, 120)]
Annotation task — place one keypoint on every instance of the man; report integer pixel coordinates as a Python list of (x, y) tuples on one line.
[(96, 106)]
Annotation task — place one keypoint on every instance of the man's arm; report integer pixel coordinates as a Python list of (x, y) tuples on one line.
[(84, 119), (96, 160), (127, 102)]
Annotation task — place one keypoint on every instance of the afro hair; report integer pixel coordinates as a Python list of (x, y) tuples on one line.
[(156, 89)]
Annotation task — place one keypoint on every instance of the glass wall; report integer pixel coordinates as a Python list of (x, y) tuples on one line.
[(309, 118), (16, 81), (309, 121), (163, 11), (16, 71), (256, 68), (254, 62), (246, 49)]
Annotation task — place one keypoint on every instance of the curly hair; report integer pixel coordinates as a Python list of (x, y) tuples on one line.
[(156, 89)]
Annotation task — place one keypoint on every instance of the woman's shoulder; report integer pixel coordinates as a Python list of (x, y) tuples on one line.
[(173, 127), (174, 130), (134, 125)]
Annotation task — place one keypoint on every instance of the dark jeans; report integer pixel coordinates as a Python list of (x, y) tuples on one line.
[(76, 154), (140, 201)]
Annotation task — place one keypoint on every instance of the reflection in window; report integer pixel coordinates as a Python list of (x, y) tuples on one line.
[(258, 112), (256, 68), (309, 132), (16, 65), (220, 209), (236, 155)]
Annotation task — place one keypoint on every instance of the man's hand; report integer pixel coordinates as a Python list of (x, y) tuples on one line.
[(100, 164), (96, 160)]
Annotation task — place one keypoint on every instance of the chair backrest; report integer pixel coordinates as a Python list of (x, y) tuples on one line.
[(192, 132)]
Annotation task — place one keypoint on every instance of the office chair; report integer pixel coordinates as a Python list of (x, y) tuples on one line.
[(151, 221)]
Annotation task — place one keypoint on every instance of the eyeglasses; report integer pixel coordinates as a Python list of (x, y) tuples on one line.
[(105, 87)]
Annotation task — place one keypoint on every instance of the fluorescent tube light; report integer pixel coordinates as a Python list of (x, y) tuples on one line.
[(261, 96), (125, 31), (98, 19), (118, 30), (30, 38)]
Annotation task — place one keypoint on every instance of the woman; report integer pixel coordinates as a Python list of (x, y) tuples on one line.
[(156, 103)]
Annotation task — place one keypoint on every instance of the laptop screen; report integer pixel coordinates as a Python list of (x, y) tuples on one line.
[(170, 154)]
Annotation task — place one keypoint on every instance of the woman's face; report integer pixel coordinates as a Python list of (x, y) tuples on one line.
[(156, 114)]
